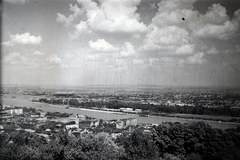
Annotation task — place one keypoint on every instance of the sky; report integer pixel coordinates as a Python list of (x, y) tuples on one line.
[(121, 42)]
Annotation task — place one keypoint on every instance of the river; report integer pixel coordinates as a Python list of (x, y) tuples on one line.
[(25, 101)]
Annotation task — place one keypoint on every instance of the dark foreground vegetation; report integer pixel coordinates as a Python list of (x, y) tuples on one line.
[(170, 141)]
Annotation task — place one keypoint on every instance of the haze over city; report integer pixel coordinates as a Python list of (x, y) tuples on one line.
[(107, 42)]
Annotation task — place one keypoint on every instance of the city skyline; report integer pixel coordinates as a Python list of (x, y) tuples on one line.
[(107, 42)]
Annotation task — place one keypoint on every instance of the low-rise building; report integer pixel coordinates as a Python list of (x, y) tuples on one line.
[(73, 124), (84, 124), (123, 123), (14, 111)]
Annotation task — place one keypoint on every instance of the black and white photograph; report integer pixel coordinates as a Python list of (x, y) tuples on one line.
[(120, 80)]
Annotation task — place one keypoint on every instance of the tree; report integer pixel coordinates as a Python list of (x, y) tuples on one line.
[(138, 145)]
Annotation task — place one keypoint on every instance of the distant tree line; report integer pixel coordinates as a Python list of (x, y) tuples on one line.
[(71, 102), (170, 141), (201, 110), (57, 114)]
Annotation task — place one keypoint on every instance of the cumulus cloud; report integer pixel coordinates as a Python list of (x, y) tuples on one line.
[(113, 16), (237, 15), (185, 49), (54, 60), (69, 56), (177, 27), (168, 39), (11, 57), (65, 20), (162, 60), (216, 14), (101, 45), (38, 53), (94, 57), (61, 18), (75, 9), (153, 61), (214, 24), (80, 28), (16, 59), (197, 58), (127, 50), (17, 1), (167, 35), (138, 61), (180, 63), (25, 38), (212, 51), (224, 31)]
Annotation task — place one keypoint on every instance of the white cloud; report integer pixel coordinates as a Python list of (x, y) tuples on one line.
[(180, 63), (87, 5), (102, 46), (168, 39), (153, 61), (161, 61), (8, 43), (127, 50), (24, 38), (54, 60), (168, 6), (177, 26), (69, 56), (216, 14), (17, 1), (113, 16), (138, 61), (197, 58), (224, 31), (69, 20), (212, 51), (237, 15), (38, 53), (65, 20), (76, 10), (16, 59), (80, 28), (185, 49), (11, 57), (215, 24), (94, 57), (107, 16), (172, 12)]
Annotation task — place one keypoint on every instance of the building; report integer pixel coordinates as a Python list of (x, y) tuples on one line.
[(82, 117), (96, 123), (73, 124), (124, 123), (14, 111)]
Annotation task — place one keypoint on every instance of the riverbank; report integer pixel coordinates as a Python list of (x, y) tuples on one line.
[(108, 115)]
